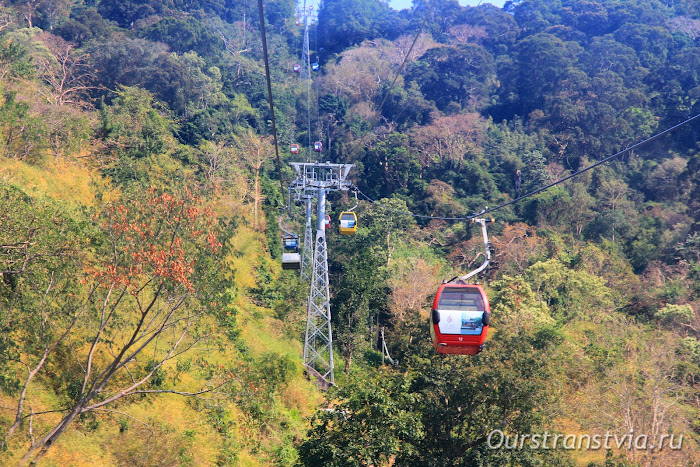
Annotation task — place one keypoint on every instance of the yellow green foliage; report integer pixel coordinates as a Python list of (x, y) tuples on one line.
[(253, 420), (58, 178)]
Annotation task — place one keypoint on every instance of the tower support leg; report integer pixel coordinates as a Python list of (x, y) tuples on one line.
[(318, 344)]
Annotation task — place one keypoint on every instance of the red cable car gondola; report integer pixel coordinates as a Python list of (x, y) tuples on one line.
[(327, 224), (296, 68), (460, 319), (318, 146), (294, 149)]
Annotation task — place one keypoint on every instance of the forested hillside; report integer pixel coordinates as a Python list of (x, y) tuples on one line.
[(145, 318)]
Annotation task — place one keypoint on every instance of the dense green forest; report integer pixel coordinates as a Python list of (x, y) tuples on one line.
[(145, 318)]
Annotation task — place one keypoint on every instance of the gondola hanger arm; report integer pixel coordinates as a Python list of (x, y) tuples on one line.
[(284, 208), (487, 251), (357, 203)]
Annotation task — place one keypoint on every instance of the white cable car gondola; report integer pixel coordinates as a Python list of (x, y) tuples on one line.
[(291, 259)]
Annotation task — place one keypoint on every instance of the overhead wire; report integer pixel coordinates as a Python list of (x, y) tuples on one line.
[(400, 69), (308, 83), (269, 96), (378, 112), (318, 107), (546, 187)]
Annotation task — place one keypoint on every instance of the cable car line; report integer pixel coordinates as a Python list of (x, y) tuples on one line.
[(315, 82), (403, 63), (593, 166), (378, 113), (546, 187), (460, 315), (269, 95)]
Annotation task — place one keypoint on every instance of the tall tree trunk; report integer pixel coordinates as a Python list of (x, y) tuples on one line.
[(23, 396), (348, 359), (45, 443), (388, 248), (257, 199)]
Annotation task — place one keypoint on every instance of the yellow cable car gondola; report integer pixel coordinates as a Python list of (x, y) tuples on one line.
[(347, 223)]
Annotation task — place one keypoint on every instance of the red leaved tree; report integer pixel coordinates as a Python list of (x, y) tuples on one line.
[(145, 290)]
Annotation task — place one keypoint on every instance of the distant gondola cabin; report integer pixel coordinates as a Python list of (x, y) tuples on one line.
[(460, 318), (318, 146), (294, 149), (315, 66), (296, 68), (327, 223), (347, 223)]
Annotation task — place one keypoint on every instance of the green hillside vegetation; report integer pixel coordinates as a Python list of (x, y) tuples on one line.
[(145, 318)]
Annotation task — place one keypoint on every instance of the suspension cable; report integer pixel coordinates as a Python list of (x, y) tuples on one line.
[(546, 187), (403, 63), (378, 113), (269, 96), (316, 92)]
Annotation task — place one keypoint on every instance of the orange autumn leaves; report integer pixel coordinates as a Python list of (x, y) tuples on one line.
[(155, 239)]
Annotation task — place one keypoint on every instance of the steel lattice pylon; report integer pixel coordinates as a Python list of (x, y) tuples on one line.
[(305, 58), (307, 246), (315, 180), (318, 345)]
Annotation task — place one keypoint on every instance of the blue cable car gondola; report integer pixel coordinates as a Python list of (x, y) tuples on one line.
[(460, 317), (315, 66)]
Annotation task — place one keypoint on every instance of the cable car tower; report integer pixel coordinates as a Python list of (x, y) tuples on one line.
[(307, 251), (305, 72), (316, 180)]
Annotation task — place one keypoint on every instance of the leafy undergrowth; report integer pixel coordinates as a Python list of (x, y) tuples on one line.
[(56, 178), (254, 417)]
